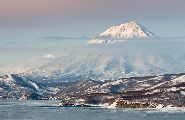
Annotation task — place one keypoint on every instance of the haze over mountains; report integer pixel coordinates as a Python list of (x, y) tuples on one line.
[(83, 54), (140, 55), (137, 68)]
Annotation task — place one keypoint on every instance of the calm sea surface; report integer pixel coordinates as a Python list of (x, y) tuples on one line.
[(47, 110)]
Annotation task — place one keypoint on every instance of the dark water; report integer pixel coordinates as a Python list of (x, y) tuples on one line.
[(46, 110)]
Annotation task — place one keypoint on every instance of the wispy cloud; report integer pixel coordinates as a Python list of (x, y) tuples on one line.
[(51, 39), (33, 58), (42, 58), (48, 56), (31, 63), (13, 69)]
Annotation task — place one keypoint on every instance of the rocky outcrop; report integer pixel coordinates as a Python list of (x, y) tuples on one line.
[(127, 104)]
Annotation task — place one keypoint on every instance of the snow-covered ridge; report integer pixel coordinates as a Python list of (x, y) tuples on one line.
[(148, 91), (121, 32), (19, 87)]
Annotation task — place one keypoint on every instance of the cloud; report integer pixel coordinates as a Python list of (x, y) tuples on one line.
[(41, 58), (48, 56), (56, 39), (32, 62), (33, 58), (13, 69)]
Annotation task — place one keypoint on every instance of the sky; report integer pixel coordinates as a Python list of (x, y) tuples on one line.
[(31, 29)]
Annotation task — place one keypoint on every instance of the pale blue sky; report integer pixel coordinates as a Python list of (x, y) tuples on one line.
[(25, 25)]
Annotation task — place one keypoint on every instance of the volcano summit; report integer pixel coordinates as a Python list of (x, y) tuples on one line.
[(123, 32)]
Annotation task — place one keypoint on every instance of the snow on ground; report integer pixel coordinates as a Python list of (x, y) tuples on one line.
[(113, 105), (183, 93), (180, 79)]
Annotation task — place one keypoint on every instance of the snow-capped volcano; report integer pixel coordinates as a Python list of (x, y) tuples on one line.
[(127, 30), (122, 32)]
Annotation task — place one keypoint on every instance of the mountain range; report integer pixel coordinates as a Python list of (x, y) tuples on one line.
[(140, 55), (168, 89), (140, 69), (106, 64), (15, 86)]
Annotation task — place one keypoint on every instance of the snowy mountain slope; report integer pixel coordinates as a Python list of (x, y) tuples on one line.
[(122, 33), (86, 66), (127, 30), (139, 84), (108, 65), (17, 87), (148, 89), (168, 89)]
